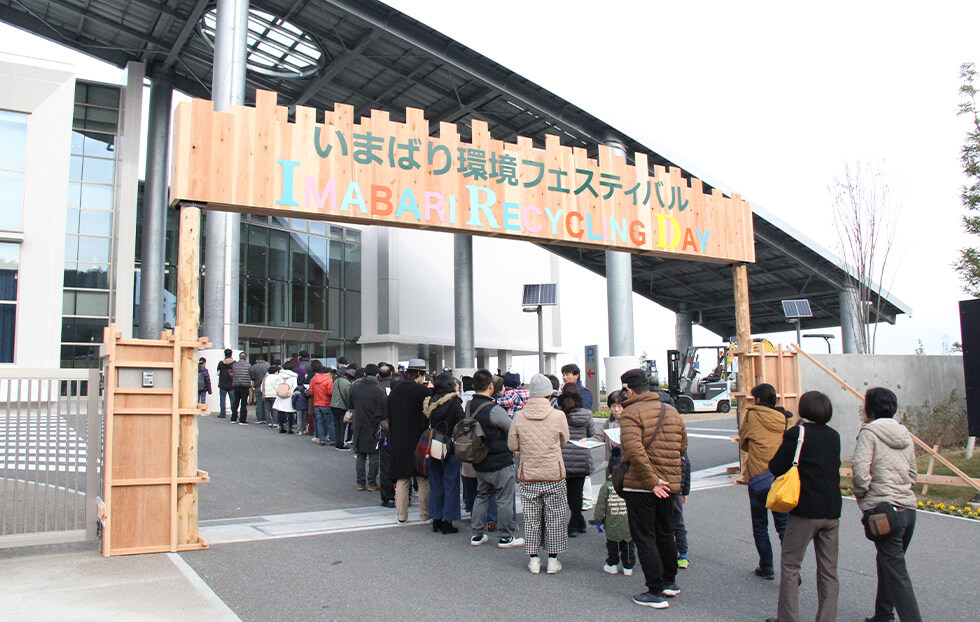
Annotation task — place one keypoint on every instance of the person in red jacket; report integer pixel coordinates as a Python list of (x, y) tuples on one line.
[(321, 389)]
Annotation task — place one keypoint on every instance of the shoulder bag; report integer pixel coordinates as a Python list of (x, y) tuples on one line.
[(784, 494), (618, 474)]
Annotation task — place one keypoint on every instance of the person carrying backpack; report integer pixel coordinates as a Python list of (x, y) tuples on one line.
[(495, 474), (283, 406)]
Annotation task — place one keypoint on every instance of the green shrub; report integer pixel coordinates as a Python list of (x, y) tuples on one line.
[(943, 424)]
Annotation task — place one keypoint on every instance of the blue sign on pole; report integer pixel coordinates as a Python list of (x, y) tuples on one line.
[(590, 375)]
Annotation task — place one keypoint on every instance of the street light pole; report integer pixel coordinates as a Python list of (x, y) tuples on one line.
[(540, 341)]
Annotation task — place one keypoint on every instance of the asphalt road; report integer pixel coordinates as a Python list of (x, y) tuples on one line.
[(408, 572)]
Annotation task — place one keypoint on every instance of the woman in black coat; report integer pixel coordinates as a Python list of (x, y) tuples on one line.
[(817, 515), (445, 410), (406, 423)]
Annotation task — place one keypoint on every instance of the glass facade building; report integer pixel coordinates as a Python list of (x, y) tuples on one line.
[(13, 163), (89, 228)]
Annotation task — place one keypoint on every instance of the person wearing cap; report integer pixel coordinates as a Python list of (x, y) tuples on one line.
[(653, 438), (538, 432), (406, 423), (514, 396), (367, 400), (203, 381), (339, 404)]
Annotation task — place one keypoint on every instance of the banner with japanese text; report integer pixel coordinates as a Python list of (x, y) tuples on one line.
[(378, 171)]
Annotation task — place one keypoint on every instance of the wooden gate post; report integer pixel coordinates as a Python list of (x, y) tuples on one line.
[(188, 314), (743, 335)]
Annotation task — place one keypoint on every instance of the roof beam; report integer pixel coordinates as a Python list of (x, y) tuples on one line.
[(185, 34), (334, 68)]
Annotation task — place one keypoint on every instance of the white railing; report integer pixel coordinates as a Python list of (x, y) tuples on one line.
[(50, 455)]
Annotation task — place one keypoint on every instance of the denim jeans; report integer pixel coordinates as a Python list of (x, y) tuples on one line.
[(259, 406), (202, 397), (680, 530), (444, 488), (324, 423), (760, 527), (222, 394)]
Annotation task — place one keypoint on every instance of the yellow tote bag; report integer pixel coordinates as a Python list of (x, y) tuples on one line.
[(784, 494)]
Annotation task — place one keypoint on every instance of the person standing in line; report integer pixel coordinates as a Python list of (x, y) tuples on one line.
[(538, 433), (386, 486), (495, 477), (321, 388), (339, 403), (226, 388), (285, 411), (611, 515), (367, 400), (759, 436), (257, 373), (203, 381), (514, 395), (817, 516), (571, 374), (884, 473), (241, 381), (578, 460), (270, 383), (653, 438), (406, 423), (444, 410)]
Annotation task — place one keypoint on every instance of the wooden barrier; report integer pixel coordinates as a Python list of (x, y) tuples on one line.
[(142, 431), (964, 479)]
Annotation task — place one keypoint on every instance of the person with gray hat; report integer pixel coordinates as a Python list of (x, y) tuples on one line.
[(538, 433)]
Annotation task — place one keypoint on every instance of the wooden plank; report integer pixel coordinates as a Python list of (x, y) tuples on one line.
[(188, 313), (743, 331), (932, 466)]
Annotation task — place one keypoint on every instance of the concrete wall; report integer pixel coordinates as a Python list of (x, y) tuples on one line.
[(46, 91), (914, 379)]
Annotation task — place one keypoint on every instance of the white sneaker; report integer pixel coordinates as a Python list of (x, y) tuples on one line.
[(610, 569), (479, 540), (627, 572), (554, 566), (513, 543), (534, 565)]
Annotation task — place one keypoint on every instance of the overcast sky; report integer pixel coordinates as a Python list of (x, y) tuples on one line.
[(770, 100)]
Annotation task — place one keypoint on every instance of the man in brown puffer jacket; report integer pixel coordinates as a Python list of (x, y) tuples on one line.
[(654, 475)]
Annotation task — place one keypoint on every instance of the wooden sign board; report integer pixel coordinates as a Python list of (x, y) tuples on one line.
[(377, 171)]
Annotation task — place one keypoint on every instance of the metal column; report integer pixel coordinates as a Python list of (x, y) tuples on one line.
[(155, 208), (465, 351), (619, 291), (851, 324), (221, 252), (683, 330)]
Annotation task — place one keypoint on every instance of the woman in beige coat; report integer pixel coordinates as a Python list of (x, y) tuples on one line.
[(538, 432)]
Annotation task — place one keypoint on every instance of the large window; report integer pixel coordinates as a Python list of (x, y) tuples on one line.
[(89, 229), (9, 264), (13, 162)]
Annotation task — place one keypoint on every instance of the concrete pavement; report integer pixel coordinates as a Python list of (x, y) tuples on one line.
[(314, 548)]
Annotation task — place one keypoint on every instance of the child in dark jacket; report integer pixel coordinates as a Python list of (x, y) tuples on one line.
[(610, 514), (680, 531), (300, 405)]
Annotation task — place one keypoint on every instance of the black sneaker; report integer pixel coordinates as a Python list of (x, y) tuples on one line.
[(671, 590), (651, 600), (766, 573)]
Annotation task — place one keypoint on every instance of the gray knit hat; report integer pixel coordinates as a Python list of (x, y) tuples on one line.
[(540, 386)]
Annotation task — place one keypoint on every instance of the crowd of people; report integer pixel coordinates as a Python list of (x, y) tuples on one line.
[(399, 423)]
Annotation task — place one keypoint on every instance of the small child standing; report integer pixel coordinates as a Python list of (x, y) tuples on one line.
[(610, 513), (680, 530)]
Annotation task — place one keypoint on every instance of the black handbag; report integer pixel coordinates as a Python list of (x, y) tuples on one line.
[(618, 474), (879, 522)]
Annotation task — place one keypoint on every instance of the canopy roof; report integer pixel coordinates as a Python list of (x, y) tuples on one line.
[(366, 54)]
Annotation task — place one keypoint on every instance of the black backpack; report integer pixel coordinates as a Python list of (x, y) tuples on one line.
[(469, 441)]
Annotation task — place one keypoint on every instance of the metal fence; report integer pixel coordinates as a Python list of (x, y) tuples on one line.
[(50, 455)]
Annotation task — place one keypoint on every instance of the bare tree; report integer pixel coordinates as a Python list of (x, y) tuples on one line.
[(865, 219)]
